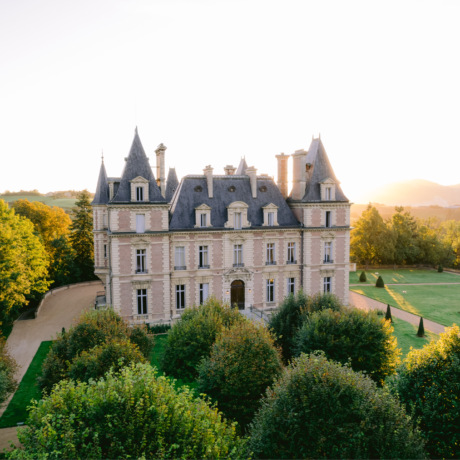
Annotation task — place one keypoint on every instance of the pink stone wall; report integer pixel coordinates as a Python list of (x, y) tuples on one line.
[(341, 217), (258, 253), (316, 217), (125, 260), (192, 258), (279, 294), (158, 288), (156, 221), (315, 282), (124, 221), (156, 263), (297, 213), (316, 250), (216, 262), (340, 250), (217, 286), (191, 299), (339, 283), (259, 289), (126, 297)]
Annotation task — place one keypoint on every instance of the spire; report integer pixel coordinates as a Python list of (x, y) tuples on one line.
[(102, 157), (241, 171), (102, 190), (171, 184)]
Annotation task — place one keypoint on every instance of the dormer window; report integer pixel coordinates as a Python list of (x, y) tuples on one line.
[(139, 189), (328, 189), (237, 219), (237, 216), (203, 216), (328, 193), (271, 219), (140, 193), (203, 220), (270, 215)]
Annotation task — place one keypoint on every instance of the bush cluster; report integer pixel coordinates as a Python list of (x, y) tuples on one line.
[(428, 383), (363, 277), (351, 335), (130, 414), (8, 368), (192, 337), (98, 341), (158, 328), (242, 364), (321, 409)]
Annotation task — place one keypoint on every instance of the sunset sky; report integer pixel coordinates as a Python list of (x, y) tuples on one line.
[(217, 80)]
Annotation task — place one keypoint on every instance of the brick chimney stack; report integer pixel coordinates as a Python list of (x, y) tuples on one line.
[(208, 173), (229, 170), (283, 174), (252, 173)]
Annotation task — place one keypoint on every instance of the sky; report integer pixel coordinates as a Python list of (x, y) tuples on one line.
[(217, 80)]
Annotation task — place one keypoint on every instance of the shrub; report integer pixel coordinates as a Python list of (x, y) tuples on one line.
[(440, 268), (289, 317), (130, 414), (429, 382), (158, 328), (94, 328), (421, 329), (321, 409), (379, 283), (8, 368), (192, 337), (388, 316), (242, 364), (351, 334), (363, 277)]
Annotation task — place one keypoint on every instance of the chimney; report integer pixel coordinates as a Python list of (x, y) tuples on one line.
[(298, 168), (229, 170), (252, 173), (283, 174), (161, 176), (208, 173)]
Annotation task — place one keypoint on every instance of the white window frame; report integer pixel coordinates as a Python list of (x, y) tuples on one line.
[(291, 286), (139, 193), (328, 252), (179, 257), (140, 223), (327, 284), (328, 219), (141, 261), (105, 251), (237, 254), (237, 217), (204, 292), (142, 306), (270, 290), (203, 256), (180, 296), (271, 254), (291, 253)]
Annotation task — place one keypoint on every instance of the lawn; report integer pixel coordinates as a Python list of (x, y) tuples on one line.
[(440, 304), (406, 333), (405, 276), (65, 203), (16, 411)]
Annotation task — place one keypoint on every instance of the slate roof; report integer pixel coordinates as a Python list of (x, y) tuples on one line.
[(320, 170), (172, 183), (187, 199), (102, 190), (137, 164), (241, 171)]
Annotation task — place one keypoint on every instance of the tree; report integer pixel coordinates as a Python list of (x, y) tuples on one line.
[(421, 329), (433, 250), (363, 277), (404, 227), (242, 364), (81, 236), (23, 262), (428, 384), (129, 414), (359, 337), (440, 269), (379, 283), (372, 242), (64, 269), (388, 316), (8, 368), (322, 409)]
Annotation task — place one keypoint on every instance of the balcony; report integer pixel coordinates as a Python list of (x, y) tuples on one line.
[(180, 267), (203, 267), (139, 271), (238, 265), (271, 262), (291, 262), (328, 261)]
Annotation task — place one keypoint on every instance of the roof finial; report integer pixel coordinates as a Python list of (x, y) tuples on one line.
[(102, 156)]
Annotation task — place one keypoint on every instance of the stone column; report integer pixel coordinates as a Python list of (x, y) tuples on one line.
[(208, 173), (161, 175)]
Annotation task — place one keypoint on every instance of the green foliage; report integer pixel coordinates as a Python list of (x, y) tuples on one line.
[(321, 409), (421, 329), (8, 368), (379, 283), (388, 316), (158, 328), (352, 335), (94, 330), (363, 277), (428, 382), (130, 414), (291, 313), (242, 364), (440, 269), (64, 269), (192, 337), (23, 263), (404, 227)]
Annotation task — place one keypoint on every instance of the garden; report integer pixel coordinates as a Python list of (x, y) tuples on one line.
[(319, 381)]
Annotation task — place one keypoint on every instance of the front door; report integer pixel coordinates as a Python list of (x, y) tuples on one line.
[(237, 294)]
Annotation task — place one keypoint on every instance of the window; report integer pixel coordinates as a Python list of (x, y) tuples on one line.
[(291, 286), (203, 257), (327, 284), (140, 223), (291, 253), (327, 252), (328, 193), (203, 220), (270, 254), (141, 261), (270, 290), (140, 193), (104, 220), (271, 219), (142, 301), (204, 293), (105, 251), (238, 255), (328, 219), (237, 222), (180, 296), (179, 258)]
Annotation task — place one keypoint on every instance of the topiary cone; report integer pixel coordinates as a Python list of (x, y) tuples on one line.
[(380, 283), (421, 329), (440, 269), (362, 277), (388, 314)]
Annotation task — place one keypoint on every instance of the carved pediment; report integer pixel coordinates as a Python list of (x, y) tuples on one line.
[(140, 242), (141, 284), (328, 181), (327, 272), (238, 273), (237, 204), (139, 180), (270, 206), (327, 235), (203, 207)]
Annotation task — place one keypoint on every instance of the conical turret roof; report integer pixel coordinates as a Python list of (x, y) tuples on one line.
[(241, 171), (102, 189), (171, 184)]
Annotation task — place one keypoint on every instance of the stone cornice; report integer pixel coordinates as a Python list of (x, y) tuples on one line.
[(322, 204), (135, 206)]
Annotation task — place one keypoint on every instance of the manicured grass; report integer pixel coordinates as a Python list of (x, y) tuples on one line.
[(65, 203), (16, 411), (440, 304), (406, 333), (405, 276), (160, 341)]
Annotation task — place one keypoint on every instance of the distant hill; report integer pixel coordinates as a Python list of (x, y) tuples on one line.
[(417, 192)]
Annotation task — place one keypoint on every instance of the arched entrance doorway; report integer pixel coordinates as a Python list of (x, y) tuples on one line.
[(237, 294)]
